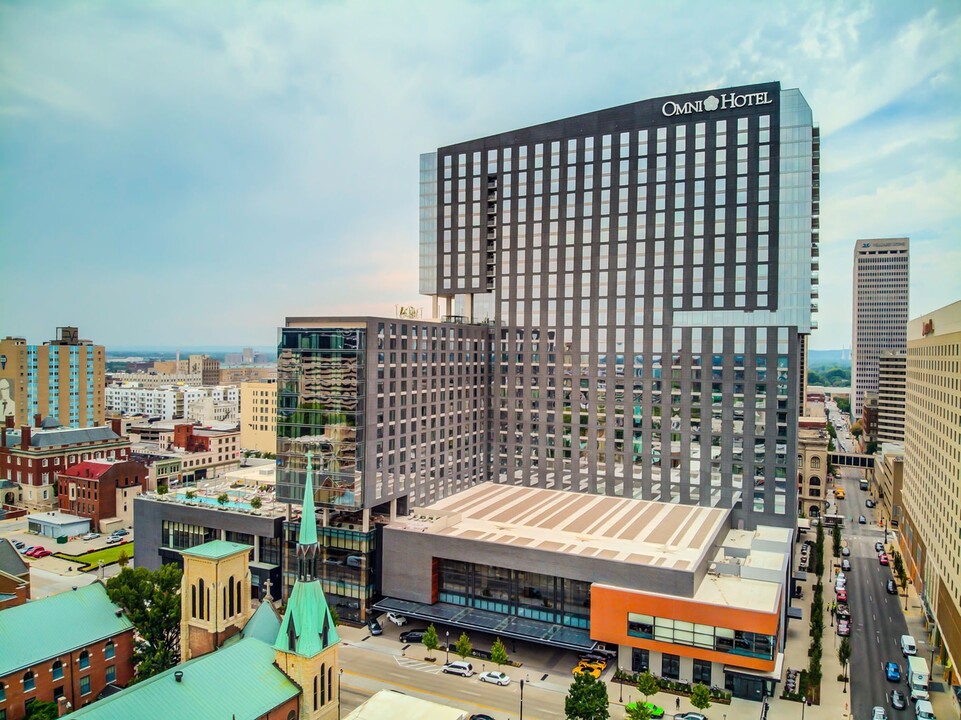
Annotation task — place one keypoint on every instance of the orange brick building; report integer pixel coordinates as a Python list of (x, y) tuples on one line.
[(102, 490), (70, 645)]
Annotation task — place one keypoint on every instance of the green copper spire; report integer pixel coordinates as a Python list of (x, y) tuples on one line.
[(308, 517)]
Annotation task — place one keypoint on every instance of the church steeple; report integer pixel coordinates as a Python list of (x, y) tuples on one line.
[(307, 548), (306, 644)]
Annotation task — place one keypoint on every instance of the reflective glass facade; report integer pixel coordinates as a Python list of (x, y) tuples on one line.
[(545, 598), (650, 278)]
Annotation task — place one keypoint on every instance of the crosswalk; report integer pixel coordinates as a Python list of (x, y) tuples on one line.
[(420, 665)]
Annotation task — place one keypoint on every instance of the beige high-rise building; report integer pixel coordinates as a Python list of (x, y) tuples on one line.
[(62, 379), (880, 311), (892, 368), (812, 459), (931, 529), (258, 415)]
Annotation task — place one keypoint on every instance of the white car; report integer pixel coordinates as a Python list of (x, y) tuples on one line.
[(90, 536), (113, 540), (879, 713), (398, 620), (459, 667), (492, 676)]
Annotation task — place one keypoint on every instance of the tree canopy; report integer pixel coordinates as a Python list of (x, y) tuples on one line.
[(151, 600), (499, 653), (464, 647), (586, 699)]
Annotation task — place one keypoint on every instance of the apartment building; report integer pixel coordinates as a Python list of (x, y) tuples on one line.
[(258, 415), (892, 369), (62, 379)]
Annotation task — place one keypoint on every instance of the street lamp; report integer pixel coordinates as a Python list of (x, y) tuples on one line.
[(447, 647), (340, 681), (804, 701), (522, 700)]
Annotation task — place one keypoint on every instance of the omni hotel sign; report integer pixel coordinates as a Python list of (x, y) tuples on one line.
[(712, 103)]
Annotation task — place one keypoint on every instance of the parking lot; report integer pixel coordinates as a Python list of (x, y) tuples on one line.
[(16, 531)]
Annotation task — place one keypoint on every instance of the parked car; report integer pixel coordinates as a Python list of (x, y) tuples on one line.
[(842, 612), (908, 645), (480, 716), (879, 547), (114, 539), (41, 553), (869, 503), (804, 549), (120, 533), (891, 587), (691, 716), (90, 536), (374, 627), (459, 667), (412, 636), (844, 628), (397, 619), (18, 545), (846, 565), (842, 596), (846, 551), (655, 710), (29, 549), (496, 677), (883, 558), (32, 552), (892, 671), (599, 664), (898, 700), (586, 670), (863, 521)]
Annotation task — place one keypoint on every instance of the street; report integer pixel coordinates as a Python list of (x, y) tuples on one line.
[(878, 619)]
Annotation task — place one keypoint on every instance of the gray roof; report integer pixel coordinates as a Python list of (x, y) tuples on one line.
[(71, 436), (10, 560)]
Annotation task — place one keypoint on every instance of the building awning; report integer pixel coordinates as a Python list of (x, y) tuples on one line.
[(774, 674), (503, 626), (795, 613), (800, 576)]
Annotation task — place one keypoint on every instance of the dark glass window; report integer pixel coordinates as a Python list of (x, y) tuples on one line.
[(640, 660), (671, 666), (702, 672)]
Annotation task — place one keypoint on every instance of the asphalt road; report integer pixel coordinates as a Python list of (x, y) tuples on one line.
[(878, 619)]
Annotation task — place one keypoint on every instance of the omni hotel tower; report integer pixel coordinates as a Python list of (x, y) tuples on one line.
[(648, 272)]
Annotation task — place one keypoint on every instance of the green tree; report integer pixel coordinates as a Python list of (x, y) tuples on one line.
[(499, 653), (123, 559), (586, 699), (42, 711), (902, 575), (463, 646), (223, 499), (701, 697), (162, 490), (430, 640), (151, 600), (191, 494), (647, 685), (844, 655), (639, 711), (256, 503), (837, 540)]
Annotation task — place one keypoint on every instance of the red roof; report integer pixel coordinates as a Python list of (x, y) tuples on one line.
[(88, 469)]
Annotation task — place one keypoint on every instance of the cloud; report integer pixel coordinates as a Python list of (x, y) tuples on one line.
[(258, 160)]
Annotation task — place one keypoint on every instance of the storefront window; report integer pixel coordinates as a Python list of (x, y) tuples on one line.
[(640, 660), (671, 666)]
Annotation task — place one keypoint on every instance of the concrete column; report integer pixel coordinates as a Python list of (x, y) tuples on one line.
[(393, 509), (366, 516), (256, 548)]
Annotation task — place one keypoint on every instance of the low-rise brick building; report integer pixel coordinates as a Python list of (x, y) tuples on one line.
[(70, 645), (102, 490)]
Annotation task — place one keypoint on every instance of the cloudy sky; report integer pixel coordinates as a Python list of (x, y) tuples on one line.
[(184, 173)]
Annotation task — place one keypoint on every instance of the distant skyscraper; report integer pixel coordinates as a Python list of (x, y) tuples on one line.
[(648, 272), (892, 366), (880, 309), (62, 379)]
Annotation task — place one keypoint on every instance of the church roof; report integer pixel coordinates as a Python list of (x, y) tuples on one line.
[(216, 549), (238, 681), (302, 630), (264, 624)]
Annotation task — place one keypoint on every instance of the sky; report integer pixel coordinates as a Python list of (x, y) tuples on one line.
[(191, 173)]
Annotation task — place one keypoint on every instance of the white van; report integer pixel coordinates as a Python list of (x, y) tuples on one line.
[(908, 646), (924, 711), (459, 668)]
